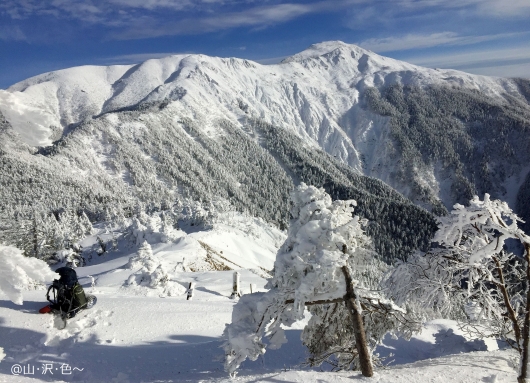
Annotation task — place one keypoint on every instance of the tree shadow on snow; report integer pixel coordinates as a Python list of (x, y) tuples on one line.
[(447, 343), (193, 339), (477, 361), (181, 358)]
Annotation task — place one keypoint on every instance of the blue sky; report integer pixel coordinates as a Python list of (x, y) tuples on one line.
[(490, 37)]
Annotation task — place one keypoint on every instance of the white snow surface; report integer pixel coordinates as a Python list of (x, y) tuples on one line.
[(136, 337)]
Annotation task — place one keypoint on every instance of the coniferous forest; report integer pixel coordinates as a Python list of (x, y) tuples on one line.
[(143, 159)]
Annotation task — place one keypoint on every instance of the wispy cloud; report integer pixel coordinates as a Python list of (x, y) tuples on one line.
[(12, 34), (503, 70), (133, 19), (258, 17), (415, 41), (503, 8), (84, 10), (507, 62), (138, 19), (495, 8), (475, 58), (402, 13), (155, 4)]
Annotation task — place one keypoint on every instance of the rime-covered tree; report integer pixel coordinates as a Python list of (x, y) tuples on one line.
[(151, 273), (471, 276), (325, 251)]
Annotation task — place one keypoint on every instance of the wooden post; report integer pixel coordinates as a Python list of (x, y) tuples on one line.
[(358, 327), (190, 291), (522, 378), (252, 287), (235, 287)]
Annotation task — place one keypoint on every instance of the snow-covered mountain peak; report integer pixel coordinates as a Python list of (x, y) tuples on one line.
[(308, 93), (323, 48), (338, 53), (413, 128)]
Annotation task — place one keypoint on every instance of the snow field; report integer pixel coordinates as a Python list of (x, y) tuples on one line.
[(132, 336), (146, 339)]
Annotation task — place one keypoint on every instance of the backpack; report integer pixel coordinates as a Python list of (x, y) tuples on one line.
[(66, 294)]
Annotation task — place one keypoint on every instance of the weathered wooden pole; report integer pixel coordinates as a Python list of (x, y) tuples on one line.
[(252, 287), (354, 309), (235, 287), (522, 378), (190, 291)]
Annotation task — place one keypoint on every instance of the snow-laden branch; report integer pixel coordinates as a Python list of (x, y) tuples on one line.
[(470, 276), (18, 273), (481, 229)]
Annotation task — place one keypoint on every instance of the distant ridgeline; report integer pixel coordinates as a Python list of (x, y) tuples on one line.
[(475, 141), (126, 162)]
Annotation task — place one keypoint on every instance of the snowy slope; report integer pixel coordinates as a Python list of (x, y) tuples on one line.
[(58, 99), (135, 338), (316, 93)]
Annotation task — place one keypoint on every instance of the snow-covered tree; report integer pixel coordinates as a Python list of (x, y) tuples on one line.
[(168, 227), (330, 336), (325, 249), (151, 273), (143, 259), (471, 276), (138, 231)]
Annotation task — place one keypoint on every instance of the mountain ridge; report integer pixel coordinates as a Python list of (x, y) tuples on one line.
[(421, 131), (78, 93)]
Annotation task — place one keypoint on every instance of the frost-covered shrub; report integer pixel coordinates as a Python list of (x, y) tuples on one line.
[(467, 263), (143, 259), (18, 273), (150, 273), (71, 257), (471, 276)]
